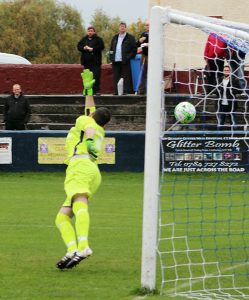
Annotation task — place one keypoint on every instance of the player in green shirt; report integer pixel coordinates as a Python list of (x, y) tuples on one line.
[(83, 145)]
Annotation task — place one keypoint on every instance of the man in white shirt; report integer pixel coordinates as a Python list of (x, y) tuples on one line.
[(123, 49)]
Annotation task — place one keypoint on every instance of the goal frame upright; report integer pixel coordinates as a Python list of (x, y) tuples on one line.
[(152, 149)]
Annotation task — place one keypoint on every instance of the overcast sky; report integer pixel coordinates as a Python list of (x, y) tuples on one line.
[(128, 10)]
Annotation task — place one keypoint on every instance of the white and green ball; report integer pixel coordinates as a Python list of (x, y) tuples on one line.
[(185, 112)]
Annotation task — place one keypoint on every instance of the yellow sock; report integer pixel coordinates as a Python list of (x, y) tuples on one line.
[(64, 224), (82, 221)]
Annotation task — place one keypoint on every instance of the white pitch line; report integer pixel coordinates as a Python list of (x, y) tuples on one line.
[(199, 280)]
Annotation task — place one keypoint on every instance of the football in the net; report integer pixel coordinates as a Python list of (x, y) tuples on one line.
[(185, 112)]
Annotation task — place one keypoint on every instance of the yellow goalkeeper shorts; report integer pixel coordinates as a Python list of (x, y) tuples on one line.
[(82, 177)]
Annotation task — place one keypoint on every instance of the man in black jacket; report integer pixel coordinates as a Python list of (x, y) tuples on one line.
[(91, 47), (123, 49), (16, 110), (143, 43), (236, 60), (227, 104)]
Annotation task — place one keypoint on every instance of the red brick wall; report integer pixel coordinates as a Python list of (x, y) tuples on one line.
[(66, 79), (49, 79)]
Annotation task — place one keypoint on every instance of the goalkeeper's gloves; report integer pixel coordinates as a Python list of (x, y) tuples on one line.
[(88, 82), (92, 151)]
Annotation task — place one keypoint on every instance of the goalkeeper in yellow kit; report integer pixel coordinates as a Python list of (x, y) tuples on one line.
[(83, 145)]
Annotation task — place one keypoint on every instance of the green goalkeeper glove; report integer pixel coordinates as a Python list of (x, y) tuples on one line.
[(91, 149), (88, 81)]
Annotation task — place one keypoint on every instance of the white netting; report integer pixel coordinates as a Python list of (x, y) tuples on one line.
[(187, 273), (198, 78), (203, 238)]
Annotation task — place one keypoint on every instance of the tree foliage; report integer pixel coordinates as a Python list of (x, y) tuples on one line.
[(137, 28), (42, 31)]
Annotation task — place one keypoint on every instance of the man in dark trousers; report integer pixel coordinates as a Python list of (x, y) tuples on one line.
[(143, 43), (91, 47), (16, 110), (227, 104), (123, 49)]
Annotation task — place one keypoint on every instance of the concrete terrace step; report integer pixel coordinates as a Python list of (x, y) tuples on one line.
[(79, 99), (59, 112), (79, 109)]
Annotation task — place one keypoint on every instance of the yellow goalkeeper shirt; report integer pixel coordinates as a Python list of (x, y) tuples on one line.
[(75, 141)]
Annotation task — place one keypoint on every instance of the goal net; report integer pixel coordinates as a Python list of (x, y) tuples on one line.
[(196, 196)]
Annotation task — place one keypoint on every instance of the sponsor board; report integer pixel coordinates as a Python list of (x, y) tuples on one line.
[(204, 153)]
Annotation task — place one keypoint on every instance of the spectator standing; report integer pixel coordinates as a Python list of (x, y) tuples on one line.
[(227, 104), (143, 42), (123, 49), (214, 55), (16, 110), (236, 60), (91, 47)]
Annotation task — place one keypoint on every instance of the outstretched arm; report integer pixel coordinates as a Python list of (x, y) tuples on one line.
[(88, 81)]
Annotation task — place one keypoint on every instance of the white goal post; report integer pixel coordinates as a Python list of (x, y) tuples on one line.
[(159, 17)]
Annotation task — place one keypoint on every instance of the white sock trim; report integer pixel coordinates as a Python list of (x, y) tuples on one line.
[(81, 211), (82, 238), (70, 243)]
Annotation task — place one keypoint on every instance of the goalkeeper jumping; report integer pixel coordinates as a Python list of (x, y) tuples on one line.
[(83, 145)]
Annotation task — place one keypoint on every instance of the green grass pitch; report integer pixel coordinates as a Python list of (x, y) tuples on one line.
[(31, 245), (209, 211)]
